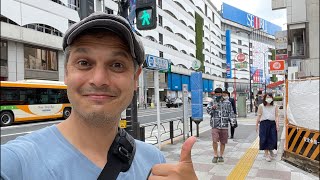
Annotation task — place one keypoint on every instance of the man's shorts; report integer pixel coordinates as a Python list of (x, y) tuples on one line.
[(219, 135)]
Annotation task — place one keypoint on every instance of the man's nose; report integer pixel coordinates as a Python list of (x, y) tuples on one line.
[(100, 76)]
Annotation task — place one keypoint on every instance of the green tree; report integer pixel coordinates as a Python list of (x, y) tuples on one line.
[(199, 41)]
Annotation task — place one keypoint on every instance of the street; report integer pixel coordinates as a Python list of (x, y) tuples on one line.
[(144, 116)]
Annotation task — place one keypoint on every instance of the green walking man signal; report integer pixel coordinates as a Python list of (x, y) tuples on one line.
[(145, 18), (146, 14)]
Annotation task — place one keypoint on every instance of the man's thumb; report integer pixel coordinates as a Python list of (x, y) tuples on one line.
[(185, 155)]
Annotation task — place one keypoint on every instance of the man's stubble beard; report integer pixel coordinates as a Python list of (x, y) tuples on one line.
[(98, 119)]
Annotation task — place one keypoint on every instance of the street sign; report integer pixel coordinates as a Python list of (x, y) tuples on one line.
[(157, 63), (241, 65), (196, 64), (241, 57), (123, 123), (230, 89), (277, 67)]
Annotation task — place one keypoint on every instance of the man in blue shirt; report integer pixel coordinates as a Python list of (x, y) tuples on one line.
[(102, 67)]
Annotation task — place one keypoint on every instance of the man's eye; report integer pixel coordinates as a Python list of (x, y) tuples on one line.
[(83, 63), (117, 65)]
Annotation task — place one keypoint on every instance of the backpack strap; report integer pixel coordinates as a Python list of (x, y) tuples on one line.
[(120, 156)]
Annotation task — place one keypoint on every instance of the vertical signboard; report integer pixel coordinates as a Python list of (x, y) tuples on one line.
[(185, 111), (281, 45), (196, 94), (228, 53)]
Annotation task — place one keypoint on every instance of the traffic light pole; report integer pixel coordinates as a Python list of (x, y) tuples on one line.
[(123, 8), (133, 126)]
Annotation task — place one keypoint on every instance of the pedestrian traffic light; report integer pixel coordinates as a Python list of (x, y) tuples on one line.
[(146, 14)]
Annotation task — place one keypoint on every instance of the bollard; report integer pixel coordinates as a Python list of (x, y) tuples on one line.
[(191, 125), (142, 134), (171, 132)]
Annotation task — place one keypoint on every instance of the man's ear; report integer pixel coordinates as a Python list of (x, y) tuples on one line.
[(65, 79), (136, 77)]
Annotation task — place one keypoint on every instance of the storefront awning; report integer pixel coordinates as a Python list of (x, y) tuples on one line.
[(273, 85)]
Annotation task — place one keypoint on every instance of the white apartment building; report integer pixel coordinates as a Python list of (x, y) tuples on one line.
[(32, 30)]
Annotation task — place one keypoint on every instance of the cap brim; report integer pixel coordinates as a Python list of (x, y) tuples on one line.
[(110, 25)]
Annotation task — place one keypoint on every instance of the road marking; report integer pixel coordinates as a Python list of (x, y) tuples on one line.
[(14, 134), (30, 125), (242, 168)]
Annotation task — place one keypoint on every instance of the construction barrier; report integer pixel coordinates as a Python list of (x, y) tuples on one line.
[(303, 142), (302, 124)]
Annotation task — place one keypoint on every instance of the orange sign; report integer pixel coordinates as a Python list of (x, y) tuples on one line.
[(277, 67)]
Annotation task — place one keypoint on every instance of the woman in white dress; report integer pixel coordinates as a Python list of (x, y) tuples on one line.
[(269, 126)]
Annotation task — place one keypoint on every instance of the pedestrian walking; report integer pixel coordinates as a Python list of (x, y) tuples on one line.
[(221, 113), (226, 96), (258, 101), (102, 68), (268, 125)]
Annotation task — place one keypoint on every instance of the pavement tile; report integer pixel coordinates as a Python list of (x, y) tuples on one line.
[(202, 154), (214, 177), (274, 174), (203, 175), (231, 161), (202, 167), (253, 172)]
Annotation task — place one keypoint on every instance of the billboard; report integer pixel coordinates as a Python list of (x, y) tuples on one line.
[(281, 45), (236, 15)]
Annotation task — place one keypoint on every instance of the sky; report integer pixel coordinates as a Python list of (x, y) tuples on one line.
[(260, 8)]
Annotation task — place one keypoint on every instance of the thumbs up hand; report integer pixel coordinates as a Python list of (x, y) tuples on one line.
[(182, 170)]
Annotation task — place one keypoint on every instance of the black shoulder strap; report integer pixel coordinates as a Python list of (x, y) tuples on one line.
[(120, 156)]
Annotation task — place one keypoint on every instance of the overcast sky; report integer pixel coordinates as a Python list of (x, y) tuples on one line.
[(260, 8)]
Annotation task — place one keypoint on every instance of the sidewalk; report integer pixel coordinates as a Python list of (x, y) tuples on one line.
[(242, 159)]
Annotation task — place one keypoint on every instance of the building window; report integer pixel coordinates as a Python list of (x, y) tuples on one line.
[(160, 4), (297, 42), (239, 50), (239, 42), (160, 54), (205, 9), (70, 22), (108, 11), (6, 20), (40, 59), (160, 20), (4, 53), (160, 38), (74, 4), (59, 2), (44, 28)]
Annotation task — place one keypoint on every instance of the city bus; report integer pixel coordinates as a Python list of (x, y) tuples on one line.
[(33, 100)]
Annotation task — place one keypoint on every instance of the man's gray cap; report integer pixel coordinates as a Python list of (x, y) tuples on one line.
[(110, 22)]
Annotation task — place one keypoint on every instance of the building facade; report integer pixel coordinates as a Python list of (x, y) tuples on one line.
[(302, 36), (188, 31)]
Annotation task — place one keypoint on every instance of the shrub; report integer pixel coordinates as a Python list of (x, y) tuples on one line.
[(278, 98)]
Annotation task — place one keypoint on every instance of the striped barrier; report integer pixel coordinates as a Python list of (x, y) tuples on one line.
[(303, 142)]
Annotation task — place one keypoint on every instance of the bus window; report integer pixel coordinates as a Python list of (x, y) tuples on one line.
[(10, 96)]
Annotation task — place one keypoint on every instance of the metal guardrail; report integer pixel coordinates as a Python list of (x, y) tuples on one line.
[(168, 129)]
